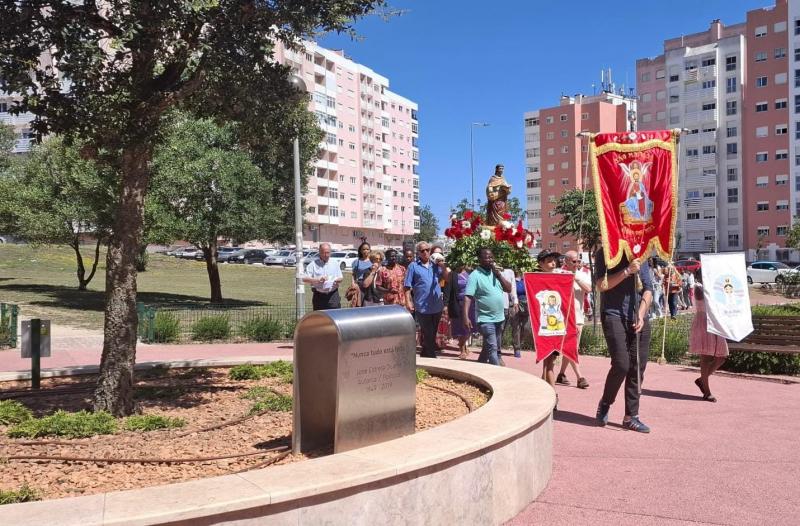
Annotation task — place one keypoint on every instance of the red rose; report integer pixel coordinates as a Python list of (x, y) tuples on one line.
[(468, 214)]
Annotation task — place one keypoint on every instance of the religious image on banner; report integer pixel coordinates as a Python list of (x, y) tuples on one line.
[(726, 295), (551, 317), (552, 314), (635, 177)]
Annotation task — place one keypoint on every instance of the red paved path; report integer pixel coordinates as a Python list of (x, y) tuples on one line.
[(734, 462)]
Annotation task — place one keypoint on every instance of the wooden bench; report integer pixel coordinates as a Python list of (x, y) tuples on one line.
[(778, 334)]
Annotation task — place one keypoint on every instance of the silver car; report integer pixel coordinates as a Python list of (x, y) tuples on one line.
[(278, 258), (308, 257)]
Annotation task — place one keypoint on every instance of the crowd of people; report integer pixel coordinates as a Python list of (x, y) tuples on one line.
[(463, 302)]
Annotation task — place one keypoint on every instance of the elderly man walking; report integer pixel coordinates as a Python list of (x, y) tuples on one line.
[(487, 286), (324, 277), (422, 278)]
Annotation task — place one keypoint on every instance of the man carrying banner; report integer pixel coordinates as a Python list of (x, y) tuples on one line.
[(635, 175)]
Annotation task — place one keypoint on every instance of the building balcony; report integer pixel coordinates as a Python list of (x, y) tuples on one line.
[(699, 138), (16, 120), (698, 117), (696, 246), (23, 145), (700, 94)]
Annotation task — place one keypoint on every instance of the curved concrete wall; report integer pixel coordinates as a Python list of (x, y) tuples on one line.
[(483, 468)]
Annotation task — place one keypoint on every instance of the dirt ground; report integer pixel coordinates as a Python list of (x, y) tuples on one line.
[(213, 408)]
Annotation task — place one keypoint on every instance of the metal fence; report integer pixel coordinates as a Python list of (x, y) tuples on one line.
[(181, 323), (8, 325)]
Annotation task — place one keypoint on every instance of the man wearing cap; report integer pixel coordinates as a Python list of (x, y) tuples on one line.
[(548, 261)]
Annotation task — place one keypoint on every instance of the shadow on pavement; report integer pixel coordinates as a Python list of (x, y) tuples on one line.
[(575, 418), (670, 395)]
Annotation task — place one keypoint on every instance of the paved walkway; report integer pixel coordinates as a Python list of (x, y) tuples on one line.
[(734, 462)]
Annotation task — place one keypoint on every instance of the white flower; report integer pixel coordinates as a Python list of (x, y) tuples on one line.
[(506, 224), (528, 238), (519, 244), (485, 234), (453, 217), (466, 224), (514, 231)]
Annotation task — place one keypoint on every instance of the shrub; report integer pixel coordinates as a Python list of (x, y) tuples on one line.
[(262, 329), (24, 494), (152, 422), (762, 363), (277, 369), (289, 327), (267, 400), (422, 375), (166, 327), (792, 309), (63, 424), (211, 328), (13, 412)]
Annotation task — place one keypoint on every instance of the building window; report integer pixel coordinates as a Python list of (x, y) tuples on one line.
[(563, 133), (780, 104), (780, 78), (564, 181), (781, 180), (761, 31), (762, 206), (660, 73), (549, 120), (781, 129), (565, 149), (762, 231), (797, 78), (762, 181), (709, 149), (797, 131), (692, 215), (676, 77), (761, 106), (646, 76), (797, 103), (733, 195), (563, 117), (761, 56), (709, 106), (584, 116), (780, 52), (730, 107), (761, 82), (762, 157), (797, 27), (691, 152), (781, 155), (733, 240), (730, 63), (781, 230), (782, 205), (532, 121), (708, 62), (732, 149), (707, 84), (733, 175), (732, 131), (730, 85), (762, 131)]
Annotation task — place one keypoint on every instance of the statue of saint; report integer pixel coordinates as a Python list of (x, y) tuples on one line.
[(496, 195)]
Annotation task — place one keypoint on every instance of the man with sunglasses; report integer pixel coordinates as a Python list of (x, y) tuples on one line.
[(426, 304)]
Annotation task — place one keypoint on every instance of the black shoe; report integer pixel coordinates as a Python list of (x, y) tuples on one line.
[(602, 414), (634, 424)]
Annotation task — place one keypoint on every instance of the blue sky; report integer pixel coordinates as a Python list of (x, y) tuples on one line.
[(468, 60)]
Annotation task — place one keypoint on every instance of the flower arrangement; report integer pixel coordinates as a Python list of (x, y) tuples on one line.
[(509, 242)]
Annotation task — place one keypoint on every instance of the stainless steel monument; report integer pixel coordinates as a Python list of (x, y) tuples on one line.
[(354, 379)]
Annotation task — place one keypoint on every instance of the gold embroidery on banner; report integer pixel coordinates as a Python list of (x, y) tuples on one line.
[(655, 242)]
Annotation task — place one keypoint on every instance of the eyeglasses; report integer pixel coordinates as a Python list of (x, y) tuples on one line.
[(574, 260), (424, 250)]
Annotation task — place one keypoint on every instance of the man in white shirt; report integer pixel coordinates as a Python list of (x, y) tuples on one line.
[(582, 285), (324, 277)]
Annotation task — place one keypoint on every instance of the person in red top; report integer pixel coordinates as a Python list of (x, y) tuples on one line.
[(390, 280)]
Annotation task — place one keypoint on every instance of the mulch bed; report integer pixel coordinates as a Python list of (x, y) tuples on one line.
[(205, 398)]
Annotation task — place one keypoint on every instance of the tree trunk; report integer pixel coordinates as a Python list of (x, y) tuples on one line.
[(212, 268), (114, 391), (81, 271)]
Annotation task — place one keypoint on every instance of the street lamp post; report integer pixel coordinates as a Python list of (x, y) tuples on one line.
[(300, 290), (472, 157)]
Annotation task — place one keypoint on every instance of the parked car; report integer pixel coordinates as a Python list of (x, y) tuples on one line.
[(767, 272), (344, 258), (308, 257), (692, 265), (223, 253), (278, 258), (186, 253), (248, 256)]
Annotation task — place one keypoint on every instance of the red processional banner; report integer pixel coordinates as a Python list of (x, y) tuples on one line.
[(635, 176), (551, 306)]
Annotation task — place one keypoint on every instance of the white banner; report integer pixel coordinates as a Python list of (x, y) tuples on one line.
[(727, 298)]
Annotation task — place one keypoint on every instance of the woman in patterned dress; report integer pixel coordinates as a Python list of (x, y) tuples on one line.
[(712, 349), (390, 279)]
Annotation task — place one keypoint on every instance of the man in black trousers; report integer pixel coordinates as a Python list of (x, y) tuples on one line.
[(624, 304)]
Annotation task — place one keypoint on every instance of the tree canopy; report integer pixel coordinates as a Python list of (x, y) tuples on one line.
[(428, 225), (578, 218), (106, 74)]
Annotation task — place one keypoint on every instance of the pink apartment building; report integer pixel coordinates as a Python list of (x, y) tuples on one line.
[(732, 87), (556, 159), (366, 181)]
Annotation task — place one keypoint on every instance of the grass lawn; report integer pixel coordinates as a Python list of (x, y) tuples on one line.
[(42, 281)]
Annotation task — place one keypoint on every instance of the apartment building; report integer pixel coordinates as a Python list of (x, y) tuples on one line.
[(20, 123), (366, 181), (729, 87), (556, 158)]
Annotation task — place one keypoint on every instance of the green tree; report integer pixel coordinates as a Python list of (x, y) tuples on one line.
[(428, 225), (578, 218), (119, 67), (793, 236), (205, 187), (60, 198), (8, 138)]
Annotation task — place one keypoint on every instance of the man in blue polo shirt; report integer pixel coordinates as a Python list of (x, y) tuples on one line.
[(487, 287), (422, 278)]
